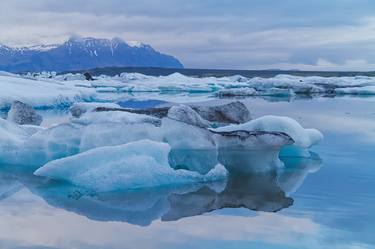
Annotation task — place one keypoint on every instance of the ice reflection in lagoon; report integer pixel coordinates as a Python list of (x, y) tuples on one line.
[(331, 208), (253, 191)]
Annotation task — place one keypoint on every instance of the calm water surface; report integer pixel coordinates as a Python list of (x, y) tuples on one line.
[(327, 201)]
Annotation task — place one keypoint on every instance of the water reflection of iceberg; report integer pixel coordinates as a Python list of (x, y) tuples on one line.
[(259, 192), (9, 185), (266, 192)]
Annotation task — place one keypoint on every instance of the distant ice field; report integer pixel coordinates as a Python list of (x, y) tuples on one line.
[(49, 90)]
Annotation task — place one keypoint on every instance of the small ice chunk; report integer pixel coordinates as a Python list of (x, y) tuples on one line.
[(130, 166), (23, 114), (234, 112), (187, 115)]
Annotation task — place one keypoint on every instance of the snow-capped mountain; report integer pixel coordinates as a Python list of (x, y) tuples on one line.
[(83, 53)]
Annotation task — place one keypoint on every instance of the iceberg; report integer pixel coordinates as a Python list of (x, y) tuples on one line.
[(304, 138), (300, 138), (256, 143), (130, 166)]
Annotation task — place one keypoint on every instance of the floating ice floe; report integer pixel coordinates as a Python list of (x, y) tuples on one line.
[(134, 165)]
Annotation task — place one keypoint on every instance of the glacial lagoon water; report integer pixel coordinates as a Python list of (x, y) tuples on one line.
[(326, 201)]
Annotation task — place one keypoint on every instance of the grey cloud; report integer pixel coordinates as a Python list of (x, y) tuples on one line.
[(211, 34)]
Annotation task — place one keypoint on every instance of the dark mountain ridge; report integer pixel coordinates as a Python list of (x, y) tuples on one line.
[(83, 53)]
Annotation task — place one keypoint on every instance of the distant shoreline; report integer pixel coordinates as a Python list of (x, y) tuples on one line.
[(153, 71)]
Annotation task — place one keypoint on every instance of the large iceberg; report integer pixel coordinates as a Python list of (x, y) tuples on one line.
[(130, 166), (257, 143)]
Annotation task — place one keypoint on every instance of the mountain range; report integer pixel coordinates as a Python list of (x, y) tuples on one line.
[(83, 53)]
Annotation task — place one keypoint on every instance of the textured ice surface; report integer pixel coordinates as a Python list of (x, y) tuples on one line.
[(187, 115), (234, 112), (23, 114), (130, 166)]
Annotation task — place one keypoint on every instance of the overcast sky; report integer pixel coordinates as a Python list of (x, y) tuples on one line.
[(236, 34)]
